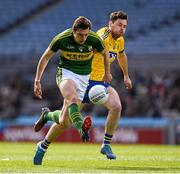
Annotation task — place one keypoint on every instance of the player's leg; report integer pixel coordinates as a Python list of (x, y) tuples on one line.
[(42, 146), (55, 116), (72, 87), (46, 115), (73, 92), (64, 120), (87, 122), (64, 123), (69, 92), (114, 106), (57, 128), (54, 131)]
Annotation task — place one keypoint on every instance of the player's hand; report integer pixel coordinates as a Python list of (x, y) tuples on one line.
[(107, 78), (127, 82), (37, 89)]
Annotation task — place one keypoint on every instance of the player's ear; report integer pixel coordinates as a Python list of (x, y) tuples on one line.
[(74, 30), (110, 23)]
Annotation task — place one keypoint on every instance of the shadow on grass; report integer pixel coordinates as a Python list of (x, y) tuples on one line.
[(140, 168)]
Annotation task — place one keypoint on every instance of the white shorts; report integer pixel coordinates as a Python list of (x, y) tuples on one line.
[(81, 81)]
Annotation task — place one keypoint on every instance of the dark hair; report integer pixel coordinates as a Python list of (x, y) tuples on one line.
[(81, 23), (118, 15)]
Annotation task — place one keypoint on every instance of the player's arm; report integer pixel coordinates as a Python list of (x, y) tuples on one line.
[(107, 76), (40, 69), (43, 63), (123, 62), (54, 46)]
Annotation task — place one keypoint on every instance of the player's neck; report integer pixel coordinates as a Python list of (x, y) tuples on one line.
[(113, 36)]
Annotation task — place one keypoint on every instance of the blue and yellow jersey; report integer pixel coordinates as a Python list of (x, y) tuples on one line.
[(114, 47)]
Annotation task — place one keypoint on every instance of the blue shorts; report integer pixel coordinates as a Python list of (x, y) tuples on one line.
[(91, 84)]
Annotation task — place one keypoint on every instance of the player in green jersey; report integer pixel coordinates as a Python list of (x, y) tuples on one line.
[(77, 47)]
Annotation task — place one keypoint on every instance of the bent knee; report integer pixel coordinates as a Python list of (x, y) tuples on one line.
[(116, 107), (64, 124), (73, 99)]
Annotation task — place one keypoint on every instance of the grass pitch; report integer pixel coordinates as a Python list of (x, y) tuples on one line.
[(86, 158)]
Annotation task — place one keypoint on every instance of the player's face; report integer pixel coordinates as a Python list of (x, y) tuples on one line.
[(118, 28), (80, 35)]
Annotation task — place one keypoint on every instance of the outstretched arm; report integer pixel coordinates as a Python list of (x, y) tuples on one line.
[(39, 71), (123, 62)]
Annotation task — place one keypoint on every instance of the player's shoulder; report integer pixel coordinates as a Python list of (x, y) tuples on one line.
[(103, 32), (94, 35), (64, 34)]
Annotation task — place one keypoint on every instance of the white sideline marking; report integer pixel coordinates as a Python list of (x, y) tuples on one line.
[(5, 159)]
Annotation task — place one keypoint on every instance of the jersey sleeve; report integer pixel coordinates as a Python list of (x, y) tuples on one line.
[(99, 45), (97, 42), (55, 44)]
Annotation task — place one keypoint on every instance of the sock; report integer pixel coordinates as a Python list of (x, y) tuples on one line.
[(45, 143), (53, 116), (107, 138), (75, 117)]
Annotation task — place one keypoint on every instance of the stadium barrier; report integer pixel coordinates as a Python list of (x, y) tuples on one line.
[(131, 130)]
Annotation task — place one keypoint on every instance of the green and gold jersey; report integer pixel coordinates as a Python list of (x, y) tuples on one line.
[(73, 56)]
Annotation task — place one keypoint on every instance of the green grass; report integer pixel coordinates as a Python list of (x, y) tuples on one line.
[(85, 158)]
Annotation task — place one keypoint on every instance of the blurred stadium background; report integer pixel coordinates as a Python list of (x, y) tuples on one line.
[(151, 111)]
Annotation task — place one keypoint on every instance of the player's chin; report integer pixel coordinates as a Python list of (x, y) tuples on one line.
[(120, 34), (81, 42)]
